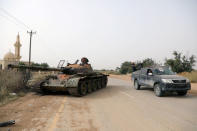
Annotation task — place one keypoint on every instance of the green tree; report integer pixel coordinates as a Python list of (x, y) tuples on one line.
[(117, 69), (45, 65), (35, 64), (126, 67), (148, 62), (181, 63), (21, 63)]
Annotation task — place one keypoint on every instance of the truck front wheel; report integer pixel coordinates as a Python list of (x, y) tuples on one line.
[(158, 91), (136, 85)]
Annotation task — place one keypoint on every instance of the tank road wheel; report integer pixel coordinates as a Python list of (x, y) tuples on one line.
[(94, 85), (44, 91), (99, 83), (104, 82), (89, 83), (83, 88)]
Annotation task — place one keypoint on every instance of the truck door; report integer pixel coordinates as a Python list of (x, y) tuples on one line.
[(143, 76), (149, 79)]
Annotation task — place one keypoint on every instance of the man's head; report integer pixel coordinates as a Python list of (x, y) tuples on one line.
[(84, 60)]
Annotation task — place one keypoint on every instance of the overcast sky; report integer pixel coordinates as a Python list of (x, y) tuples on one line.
[(108, 32)]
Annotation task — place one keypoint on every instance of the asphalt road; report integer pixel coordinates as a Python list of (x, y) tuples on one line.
[(118, 107)]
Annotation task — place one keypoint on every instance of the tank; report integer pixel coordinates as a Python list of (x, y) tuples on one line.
[(77, 79)]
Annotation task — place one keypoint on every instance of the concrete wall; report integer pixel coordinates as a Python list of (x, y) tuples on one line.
[(4, 63)]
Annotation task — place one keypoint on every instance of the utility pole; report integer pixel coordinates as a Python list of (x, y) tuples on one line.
[(30, 33)]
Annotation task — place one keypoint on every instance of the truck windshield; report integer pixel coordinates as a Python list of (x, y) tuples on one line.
[(163, 71)]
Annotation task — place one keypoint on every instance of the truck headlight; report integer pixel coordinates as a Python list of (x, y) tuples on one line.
[(187, 81), (166, 80)]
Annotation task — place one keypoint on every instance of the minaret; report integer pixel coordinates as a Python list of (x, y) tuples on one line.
[(17, 48)]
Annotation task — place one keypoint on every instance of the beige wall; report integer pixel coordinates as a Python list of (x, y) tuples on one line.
[(5, 63)]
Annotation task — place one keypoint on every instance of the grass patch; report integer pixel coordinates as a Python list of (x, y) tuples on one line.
[(192, 76)]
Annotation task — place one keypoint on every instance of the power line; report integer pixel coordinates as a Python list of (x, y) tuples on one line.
[(13, 17), (16, 19), (14, 22)]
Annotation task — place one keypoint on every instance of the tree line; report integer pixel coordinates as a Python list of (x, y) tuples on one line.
[(179, 63), (44, 65)]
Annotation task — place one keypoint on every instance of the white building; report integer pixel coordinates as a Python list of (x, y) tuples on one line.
[(11, 58)]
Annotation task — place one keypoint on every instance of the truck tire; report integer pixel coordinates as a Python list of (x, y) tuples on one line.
[(136, 85), (158, 91), (182, 93)]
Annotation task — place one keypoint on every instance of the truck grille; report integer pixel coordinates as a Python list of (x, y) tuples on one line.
[(179, 81), (177, 85)]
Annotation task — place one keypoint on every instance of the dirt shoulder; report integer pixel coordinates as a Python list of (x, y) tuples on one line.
[(122, 77), (128, 78), (31, 112)]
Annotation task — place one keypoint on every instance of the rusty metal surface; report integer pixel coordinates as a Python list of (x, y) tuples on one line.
[(69, 77)]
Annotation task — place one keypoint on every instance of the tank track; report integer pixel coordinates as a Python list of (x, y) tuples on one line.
[(89, 85)]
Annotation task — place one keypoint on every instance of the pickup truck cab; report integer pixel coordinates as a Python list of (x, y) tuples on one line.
[(162, 79)]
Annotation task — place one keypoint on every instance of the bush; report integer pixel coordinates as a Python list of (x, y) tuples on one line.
[(45, 65), (129, 67), (148, 62), (126, 67), (181, 63)]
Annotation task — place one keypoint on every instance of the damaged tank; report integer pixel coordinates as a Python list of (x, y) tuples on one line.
[(77, 79)]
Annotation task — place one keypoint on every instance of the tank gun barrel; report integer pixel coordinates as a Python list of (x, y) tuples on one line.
[(34, 68), (65, 70)]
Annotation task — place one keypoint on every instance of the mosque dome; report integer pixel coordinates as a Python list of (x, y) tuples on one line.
[(9, 56)]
